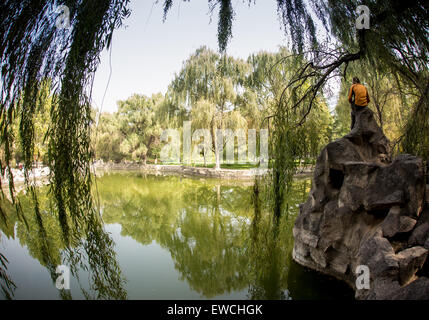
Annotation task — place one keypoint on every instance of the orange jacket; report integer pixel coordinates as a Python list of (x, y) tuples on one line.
[(361, 95)]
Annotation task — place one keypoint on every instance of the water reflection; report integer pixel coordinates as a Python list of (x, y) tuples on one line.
[(220, 236), (87, 247), (204, 225)]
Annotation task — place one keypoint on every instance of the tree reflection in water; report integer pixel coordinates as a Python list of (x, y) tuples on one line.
[(6, 284), (86, 247), (220, 234)]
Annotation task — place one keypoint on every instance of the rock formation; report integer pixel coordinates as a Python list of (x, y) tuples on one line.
[(365, 209)]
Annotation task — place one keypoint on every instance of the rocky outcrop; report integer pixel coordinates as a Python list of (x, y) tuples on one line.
[(365, 209)]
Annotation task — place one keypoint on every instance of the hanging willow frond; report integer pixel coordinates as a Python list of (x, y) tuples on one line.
[(32, 49)]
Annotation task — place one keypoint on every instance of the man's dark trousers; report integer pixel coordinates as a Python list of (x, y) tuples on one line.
[(355, 109)]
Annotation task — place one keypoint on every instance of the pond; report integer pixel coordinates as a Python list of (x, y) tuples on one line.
[(171, 238)]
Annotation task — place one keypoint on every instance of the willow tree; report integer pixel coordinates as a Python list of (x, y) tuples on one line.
[(214, 78), (32, 47), (35, 46), (392, 100), (397, 42), (291, 144)]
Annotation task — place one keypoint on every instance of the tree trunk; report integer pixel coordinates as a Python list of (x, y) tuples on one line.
[(217, 157), (379, 114), (215, 144)]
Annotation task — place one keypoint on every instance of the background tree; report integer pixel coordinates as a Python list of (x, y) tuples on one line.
[(392, 99), (137, 123), (32, 48), (107, 138), (342, 112), (243, 98), (207, 75)]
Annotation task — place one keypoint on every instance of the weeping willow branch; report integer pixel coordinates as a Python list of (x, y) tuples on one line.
[(303, 90), (33, 49), (6, 284), (314, 75), (416, 134)]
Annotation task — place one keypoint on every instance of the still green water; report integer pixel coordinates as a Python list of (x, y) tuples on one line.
[(174, 238)]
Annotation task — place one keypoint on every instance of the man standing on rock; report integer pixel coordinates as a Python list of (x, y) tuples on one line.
[(358, 98)]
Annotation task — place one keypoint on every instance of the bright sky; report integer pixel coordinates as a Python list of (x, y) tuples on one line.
[(147, 53)]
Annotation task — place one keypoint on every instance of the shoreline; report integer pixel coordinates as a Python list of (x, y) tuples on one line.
[(35, 175), (40, 176), (227, 174)]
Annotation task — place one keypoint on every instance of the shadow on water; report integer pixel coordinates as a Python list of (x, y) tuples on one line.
[(275, 276), (220, 237)]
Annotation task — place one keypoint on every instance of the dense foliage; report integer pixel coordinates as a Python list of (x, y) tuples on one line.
[(32, 49), (393, 55), (213, 92)]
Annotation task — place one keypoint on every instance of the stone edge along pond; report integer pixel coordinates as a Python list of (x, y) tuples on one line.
[(40, 175), (238, 174)]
